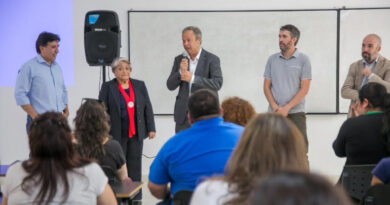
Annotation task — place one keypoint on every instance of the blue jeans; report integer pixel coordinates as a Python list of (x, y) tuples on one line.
[(28, 123)]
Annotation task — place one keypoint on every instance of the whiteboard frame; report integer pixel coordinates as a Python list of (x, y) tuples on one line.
[(338, 23)]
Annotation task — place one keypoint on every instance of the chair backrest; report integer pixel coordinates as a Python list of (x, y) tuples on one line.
[(377, 195), (182, 197), (356, 179)]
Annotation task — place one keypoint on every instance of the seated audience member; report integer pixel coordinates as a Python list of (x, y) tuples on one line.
[(197, 152), (91, 131), (55, 173), (381, 173), (297, 188), (365, 139), (270, 143), (237, 110)]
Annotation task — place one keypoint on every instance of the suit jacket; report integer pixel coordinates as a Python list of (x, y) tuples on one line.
[(351, 86), (110, 95), (208, 75)]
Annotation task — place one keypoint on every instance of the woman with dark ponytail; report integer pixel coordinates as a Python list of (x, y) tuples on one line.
[(94, 142), (55, 173), (365, 139)]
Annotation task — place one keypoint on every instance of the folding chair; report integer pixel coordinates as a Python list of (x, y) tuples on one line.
[(182, 197), (356, 180), (377, 195)]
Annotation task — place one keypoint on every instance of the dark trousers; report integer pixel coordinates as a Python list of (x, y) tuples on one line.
[(132, 149), (183, 126), (299, 119)]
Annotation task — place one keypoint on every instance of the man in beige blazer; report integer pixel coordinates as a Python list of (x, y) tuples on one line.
[(372, 68)]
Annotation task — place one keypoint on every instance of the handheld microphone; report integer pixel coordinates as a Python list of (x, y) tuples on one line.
[(185, 55)]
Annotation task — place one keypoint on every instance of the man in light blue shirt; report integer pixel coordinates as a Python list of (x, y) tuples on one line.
[(40, 84)]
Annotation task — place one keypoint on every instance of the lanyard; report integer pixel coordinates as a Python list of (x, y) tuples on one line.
[(130, 107), (373, 112)]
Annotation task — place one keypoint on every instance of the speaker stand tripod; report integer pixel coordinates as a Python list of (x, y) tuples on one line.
[(104, 73)]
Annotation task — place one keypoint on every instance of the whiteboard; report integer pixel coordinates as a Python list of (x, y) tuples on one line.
[(354, 26), (243, 40)]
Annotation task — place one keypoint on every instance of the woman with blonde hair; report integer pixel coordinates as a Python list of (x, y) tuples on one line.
[(237, 110), (270, 143)]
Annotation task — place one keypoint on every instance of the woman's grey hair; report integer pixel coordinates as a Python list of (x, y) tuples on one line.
[(116, 62)]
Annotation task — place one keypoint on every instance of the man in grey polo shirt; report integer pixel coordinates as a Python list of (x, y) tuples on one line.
[(287, 79)]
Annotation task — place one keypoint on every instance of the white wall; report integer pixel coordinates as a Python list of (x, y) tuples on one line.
[(321, 129)]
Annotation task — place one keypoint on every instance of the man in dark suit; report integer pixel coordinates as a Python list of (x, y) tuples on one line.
[(195, 69)]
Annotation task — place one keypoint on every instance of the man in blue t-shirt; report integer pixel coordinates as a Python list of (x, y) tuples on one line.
[(381, 173), (196, 153)]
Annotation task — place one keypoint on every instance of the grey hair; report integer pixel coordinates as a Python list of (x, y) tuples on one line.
[(196, 30), (294, 31), (116, 62)]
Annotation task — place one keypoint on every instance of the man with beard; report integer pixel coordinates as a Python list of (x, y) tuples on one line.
[(372, 68), (287, 79)]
